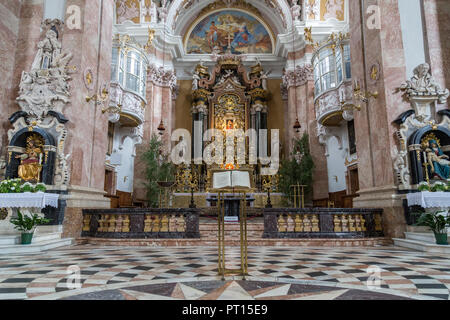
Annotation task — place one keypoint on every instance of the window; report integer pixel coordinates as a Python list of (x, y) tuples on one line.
[(110, 138), (339, 70), (114, 61), (352, 136), (327, 69), (129, 70), (331, 68), (347, 62), (316, 76)]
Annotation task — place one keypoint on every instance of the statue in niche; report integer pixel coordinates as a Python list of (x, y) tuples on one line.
[(264, 77), (439, 162), (296, 10), (196, 77), (48, 50), (31, 161)]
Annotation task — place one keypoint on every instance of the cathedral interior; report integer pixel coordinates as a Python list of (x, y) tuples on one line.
[(232, 123)]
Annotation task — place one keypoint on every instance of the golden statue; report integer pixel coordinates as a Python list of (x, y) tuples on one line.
[(30, 165)]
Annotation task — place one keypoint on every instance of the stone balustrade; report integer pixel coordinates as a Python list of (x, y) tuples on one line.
[(330, 105), (141, 223), (131, 106), (323, 223)]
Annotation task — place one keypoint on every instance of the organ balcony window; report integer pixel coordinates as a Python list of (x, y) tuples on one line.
[(129, 70), (331, 68)]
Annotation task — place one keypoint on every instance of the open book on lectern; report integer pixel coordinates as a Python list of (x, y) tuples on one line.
[(231, 179)]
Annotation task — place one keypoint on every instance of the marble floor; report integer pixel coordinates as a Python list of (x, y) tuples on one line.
[(121, 273)]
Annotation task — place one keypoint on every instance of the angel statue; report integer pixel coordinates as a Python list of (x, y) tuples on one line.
[(31, 161), (438, 161), (264, 77), (196, 79), (296, 10)]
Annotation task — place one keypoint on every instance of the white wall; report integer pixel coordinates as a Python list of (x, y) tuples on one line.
[(123, 158), (412, 33), (336, 159), (55, 9)]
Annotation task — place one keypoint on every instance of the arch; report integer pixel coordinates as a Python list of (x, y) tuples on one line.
[(19, 141), (20, 137), (276, 12), (203, 24)]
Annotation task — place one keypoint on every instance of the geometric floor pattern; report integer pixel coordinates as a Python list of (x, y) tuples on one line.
[(191, 273)]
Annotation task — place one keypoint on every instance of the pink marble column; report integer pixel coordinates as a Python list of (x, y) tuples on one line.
[(437, 26), (92, 50), (88, 126), (19, 34), (159, 107), (375, 132), (301, 105)]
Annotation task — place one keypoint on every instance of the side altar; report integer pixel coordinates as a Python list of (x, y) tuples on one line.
[(36, 141)]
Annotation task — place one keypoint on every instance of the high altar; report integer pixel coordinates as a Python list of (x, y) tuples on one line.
[(228, 98)]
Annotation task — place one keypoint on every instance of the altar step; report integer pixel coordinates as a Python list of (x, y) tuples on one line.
[(421, 241), (209, 231), (45, 238), (35, 247), (373, 242)]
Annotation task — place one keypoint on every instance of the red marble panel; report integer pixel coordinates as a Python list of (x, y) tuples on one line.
[(437, 17)]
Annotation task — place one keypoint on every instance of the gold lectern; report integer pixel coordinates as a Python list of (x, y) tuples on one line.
[(243, 232)]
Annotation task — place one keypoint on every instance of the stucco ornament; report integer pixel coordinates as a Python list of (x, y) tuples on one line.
[(44, 91), (45, 88), (423, 84), (423, 93), (296, 10)]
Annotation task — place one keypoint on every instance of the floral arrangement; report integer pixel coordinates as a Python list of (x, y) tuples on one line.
[(423, 186), (438, 186), (18, 186)]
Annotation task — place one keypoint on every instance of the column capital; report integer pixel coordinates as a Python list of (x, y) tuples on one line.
[(298, 76)]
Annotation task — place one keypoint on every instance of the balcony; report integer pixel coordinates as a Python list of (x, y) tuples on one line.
[(129, 105), (331, 105)]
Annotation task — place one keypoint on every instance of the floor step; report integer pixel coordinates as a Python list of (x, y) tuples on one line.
[(252, 242), (422, 236), (421, 246), (37, 238), (35, 247)]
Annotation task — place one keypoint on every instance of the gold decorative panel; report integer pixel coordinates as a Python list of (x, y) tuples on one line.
[(332, 9), (128, 10)]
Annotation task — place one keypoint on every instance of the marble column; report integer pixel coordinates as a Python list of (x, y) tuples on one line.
[(159, 107), (87, 139), (437, 27), (300, 93), (375, 132), (19, 34)]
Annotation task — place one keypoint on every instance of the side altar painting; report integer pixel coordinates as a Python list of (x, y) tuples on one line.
[(424, 134), (229, 29)]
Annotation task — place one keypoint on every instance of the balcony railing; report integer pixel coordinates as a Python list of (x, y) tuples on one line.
[(331, 105), (130, 105)]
